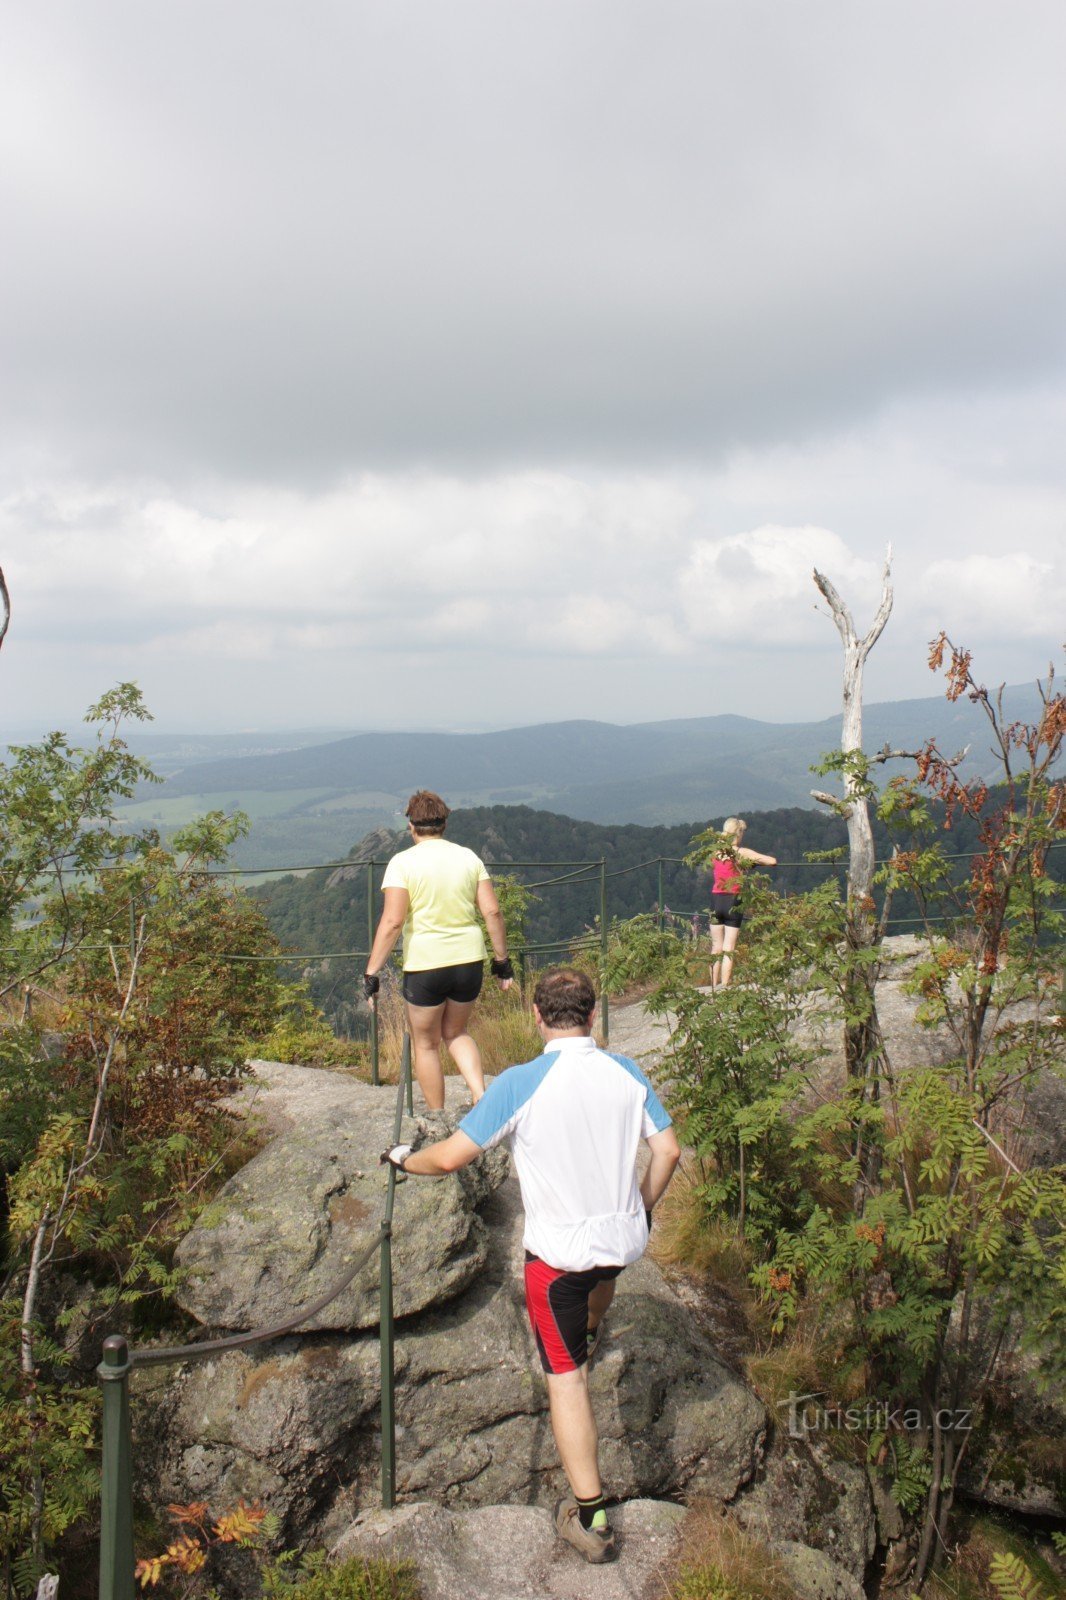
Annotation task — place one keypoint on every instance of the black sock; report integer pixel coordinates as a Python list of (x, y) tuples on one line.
[(587, 1509)]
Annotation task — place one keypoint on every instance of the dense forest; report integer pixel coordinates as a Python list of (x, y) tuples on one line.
[(325, 912)]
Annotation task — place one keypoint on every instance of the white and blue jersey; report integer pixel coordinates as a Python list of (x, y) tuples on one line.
[(574, 1120)]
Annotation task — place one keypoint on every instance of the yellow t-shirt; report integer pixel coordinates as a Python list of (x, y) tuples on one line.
[(441, 879)]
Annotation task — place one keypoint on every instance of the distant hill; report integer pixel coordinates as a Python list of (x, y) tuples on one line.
[(310, 802), (326, 910)]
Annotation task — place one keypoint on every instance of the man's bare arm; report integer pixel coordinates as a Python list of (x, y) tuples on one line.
[(665, 1154), (447, 1155)]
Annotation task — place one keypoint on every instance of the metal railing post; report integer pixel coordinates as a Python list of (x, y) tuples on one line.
[(388, 1371), (662, 913), (605, 1002), (386, 1331), (374, 1076), (405, 1074), (116, 1493)]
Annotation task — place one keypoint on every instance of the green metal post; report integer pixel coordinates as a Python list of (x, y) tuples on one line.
[(374, 1078), (605, 1004), (405, 1068), (662, 911), (116, 1498), (388, 1372)]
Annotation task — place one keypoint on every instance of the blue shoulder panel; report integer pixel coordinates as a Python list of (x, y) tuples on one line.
[(504, 1098), (652, 1103)]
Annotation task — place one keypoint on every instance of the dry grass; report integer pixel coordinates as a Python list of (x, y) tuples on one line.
[(502, 1027), (684, 1238), (717, 1560)]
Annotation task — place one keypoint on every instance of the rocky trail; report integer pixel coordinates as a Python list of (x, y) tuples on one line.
[(295, 1423)]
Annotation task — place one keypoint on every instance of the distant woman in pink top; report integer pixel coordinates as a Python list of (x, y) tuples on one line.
[(726, 915)]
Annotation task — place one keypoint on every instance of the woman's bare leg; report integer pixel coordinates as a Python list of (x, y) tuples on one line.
[(717, 946), (464, 1052), (729, 945), (424, 1025)]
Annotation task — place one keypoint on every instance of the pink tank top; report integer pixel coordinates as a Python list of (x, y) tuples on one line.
[(726, 878)]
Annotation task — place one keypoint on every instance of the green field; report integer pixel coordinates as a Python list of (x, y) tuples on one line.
[(173, 811)]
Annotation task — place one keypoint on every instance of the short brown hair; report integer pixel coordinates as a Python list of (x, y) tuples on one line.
[(426, 812), (565, 998)]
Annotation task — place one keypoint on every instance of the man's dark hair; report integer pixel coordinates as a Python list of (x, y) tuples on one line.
[(426, 812), (565, 998)]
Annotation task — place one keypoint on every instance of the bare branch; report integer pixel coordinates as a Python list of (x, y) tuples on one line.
[(888, 754), (5, 601), (884, 610), (841, 614), (843, 618), (841, 807)]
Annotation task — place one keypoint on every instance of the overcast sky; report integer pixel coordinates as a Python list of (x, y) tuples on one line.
[(497, 361)]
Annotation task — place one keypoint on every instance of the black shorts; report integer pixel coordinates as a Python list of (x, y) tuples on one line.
[(433, 985), (725, 909), (558, 1307)]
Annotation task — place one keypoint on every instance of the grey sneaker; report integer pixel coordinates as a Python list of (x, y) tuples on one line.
[(594, 1544)]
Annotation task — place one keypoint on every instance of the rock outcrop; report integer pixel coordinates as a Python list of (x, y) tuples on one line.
[(804, 1498), (290, 1222), (512, 1553), (295, 1422)]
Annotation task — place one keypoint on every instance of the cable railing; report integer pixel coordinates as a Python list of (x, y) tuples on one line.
[(117, 1559)]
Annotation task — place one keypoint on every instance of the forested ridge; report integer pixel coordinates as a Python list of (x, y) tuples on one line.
[(325, 912)]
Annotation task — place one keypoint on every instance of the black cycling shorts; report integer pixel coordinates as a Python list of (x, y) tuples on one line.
[(725, 909), (434, 985)]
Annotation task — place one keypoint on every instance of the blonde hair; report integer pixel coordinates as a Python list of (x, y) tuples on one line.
[(733, 828)]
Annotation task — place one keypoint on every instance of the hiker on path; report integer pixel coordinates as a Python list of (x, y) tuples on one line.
[(726, 913), (574, 1120), (433, 892)]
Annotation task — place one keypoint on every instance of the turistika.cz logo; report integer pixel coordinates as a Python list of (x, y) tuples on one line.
[(806, 1416)]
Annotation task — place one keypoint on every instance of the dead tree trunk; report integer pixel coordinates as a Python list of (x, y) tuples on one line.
[(863, 1043)]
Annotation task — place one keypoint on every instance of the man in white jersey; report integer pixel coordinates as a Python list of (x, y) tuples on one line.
[(574, 1120)]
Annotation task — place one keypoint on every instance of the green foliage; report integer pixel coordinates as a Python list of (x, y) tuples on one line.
[(303, 1035), (899, 1204), (703, 1581), (47, 1437), (313, 1577), (734, 1067), (112, 1118), (912, 1473), (1012, 1579), (515, 901), (639, 954)]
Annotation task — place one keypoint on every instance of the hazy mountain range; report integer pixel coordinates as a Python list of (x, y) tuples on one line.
[(311, 801)]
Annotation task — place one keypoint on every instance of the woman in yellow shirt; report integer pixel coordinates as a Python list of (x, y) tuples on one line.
[(433, 892)]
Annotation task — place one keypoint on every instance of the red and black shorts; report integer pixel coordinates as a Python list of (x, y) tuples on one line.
[(558, 1306)]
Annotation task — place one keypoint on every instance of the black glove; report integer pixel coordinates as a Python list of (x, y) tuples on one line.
[(371, 984), (395, 1157), (502, 968)]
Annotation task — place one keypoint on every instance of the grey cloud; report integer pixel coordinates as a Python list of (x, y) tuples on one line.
[(287, 242)]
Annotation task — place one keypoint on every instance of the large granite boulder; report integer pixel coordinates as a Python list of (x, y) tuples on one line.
[(512, 1552), (289, 1223), (296, 1422), (804, 1496)]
